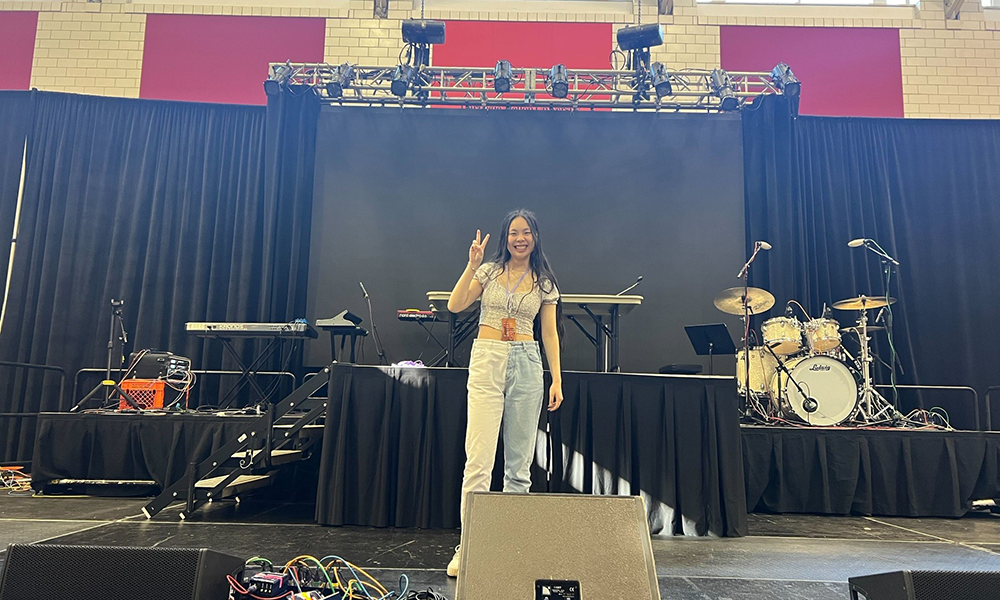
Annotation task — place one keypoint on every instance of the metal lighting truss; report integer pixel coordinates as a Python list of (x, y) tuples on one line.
[(473, 87)]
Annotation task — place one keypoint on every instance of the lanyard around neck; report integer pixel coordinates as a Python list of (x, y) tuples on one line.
[(511, 290)]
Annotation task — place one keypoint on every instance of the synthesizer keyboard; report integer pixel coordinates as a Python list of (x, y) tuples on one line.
[(295, 329)]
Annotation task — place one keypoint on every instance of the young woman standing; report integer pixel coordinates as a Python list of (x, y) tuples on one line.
[(520, 301)]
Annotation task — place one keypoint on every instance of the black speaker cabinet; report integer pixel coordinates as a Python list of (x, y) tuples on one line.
[(556, 547), (927, 585), (106, 573)]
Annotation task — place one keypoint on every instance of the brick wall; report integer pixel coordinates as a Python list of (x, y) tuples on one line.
[(89, 48), (950, 68)]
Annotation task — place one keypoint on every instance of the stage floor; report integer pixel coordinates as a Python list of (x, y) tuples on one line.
[(785, 557)]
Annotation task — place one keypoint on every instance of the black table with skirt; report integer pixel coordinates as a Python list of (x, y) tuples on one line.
[(394, 448), (886, 472), (127, 446)]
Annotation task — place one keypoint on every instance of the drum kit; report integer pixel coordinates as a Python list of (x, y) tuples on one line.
[(801, 371)]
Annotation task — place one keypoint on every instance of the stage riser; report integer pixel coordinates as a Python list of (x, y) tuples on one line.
[(912, 473)]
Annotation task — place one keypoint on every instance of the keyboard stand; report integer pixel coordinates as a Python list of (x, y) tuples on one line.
[(248, 372)]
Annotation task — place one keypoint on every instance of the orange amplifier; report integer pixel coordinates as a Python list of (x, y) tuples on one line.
[(147, 393)]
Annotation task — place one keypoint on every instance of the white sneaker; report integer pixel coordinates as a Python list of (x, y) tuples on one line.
[(455, 562)]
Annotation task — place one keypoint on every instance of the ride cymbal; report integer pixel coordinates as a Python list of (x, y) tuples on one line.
[(732, 302), (862, 303)]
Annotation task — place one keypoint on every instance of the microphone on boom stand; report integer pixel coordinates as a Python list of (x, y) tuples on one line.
[(638, 280)]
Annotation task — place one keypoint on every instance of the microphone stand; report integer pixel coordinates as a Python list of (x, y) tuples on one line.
[(806, 398), (744, 274), (888, 264), (110, 385), (116, 319), (379, 349), (631, 287), (874, 247)]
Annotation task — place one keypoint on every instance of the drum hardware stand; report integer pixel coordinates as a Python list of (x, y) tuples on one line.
[(872, 406)]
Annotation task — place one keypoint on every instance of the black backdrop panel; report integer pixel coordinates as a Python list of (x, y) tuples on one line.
[(399, 196)]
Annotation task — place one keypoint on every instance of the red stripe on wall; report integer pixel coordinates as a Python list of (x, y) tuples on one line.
[(17, 49), (538, 45), (844, 71), (222, 58)]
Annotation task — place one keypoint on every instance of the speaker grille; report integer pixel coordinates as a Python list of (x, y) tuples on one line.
[(110, 573), (512, 540), (955, 585)]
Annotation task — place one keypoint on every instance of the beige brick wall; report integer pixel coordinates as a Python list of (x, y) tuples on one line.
[(89, 48), (950, 68)]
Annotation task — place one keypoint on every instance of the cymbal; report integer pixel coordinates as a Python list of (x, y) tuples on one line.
[(856, 329), (862, 303), (731, 301)]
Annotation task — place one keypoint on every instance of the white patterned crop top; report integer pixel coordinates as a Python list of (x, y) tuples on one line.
[(523, 306)]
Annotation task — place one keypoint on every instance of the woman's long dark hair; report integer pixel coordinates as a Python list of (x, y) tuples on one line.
[(541, 272)]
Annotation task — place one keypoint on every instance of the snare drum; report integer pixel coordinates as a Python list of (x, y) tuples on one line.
[(830, 386), (822, 335), (762, 369), (783, 335)]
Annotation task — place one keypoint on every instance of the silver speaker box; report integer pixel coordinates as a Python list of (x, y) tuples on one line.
[(542, 546)]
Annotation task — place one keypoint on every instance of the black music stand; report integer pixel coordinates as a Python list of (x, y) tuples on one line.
[(710, 339)]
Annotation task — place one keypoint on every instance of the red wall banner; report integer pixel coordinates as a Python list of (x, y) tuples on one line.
[(17, 49), (207, 58), (845, 71)]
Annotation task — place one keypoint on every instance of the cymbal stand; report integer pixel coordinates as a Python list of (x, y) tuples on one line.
[(872, 406)]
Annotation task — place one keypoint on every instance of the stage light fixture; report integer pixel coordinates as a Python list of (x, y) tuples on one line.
[(423, 31), (278, 79), (722, 86), (341, 79), (401, 80), (502, 77), (636, 37), (661, 79), (785, 80), (559, 81)]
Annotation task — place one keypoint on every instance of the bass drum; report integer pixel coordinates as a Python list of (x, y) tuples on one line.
[(830, 385)]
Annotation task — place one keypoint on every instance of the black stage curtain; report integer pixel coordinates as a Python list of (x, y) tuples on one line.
[(925, 190), (290, 161), (162, 204), (124, 446), (393, 448), (886, 472), (16, 110)]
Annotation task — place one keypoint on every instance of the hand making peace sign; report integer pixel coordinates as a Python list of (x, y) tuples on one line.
[(477, 250)]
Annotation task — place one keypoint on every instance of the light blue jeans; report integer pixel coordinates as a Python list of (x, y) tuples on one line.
[(505, 384)]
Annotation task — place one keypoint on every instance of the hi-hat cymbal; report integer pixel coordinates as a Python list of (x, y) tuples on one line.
[(731, 301), (862, 303), (856, 329)]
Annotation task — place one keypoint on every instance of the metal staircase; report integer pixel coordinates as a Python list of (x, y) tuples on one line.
[(285, 434)]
